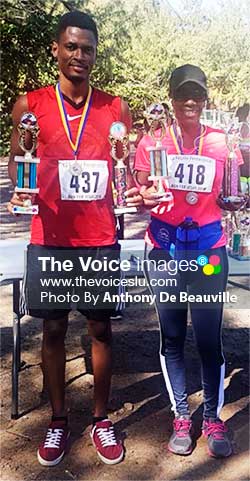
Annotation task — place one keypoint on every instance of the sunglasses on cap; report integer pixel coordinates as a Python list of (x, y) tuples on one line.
[(187, 92)]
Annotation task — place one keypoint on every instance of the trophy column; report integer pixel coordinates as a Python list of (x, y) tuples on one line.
[(119, 140), (156, 118), (230, 193), (27, 164)]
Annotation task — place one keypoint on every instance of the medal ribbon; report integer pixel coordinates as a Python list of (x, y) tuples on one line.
[(178, 141), (65, 122)]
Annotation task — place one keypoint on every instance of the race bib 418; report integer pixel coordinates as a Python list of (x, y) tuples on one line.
[(191, 172)]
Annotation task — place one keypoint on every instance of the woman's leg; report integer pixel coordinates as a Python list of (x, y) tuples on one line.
[(173, 324), (173, 320), (207, 323)]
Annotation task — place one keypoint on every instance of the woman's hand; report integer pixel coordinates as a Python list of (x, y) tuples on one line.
[(134, 197), (150, 196)]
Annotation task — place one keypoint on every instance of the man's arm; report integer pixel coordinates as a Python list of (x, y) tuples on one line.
[(126, 116)]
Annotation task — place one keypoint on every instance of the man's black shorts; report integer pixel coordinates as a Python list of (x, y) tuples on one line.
[(59, 279)]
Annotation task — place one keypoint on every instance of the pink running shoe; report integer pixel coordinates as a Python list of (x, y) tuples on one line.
[(109, 450), (181, 441), (53, 448), (219, 444)]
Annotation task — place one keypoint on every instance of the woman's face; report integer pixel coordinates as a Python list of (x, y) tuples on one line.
[(188, 102)]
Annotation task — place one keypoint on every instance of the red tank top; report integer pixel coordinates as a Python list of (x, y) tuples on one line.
[(65, 222)]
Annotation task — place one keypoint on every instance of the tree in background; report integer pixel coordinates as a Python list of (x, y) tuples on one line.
[(27, 33), (219, 42), (140, 44)]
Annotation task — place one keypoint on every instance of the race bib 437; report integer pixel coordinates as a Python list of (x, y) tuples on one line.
[(83, 179)]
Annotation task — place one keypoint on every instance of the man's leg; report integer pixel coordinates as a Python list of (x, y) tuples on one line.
[(53, 361), (54, 444), (103, 436), (101, 351), (53, 447)]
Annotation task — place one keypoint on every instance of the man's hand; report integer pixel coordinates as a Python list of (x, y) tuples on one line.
[(22, 200)]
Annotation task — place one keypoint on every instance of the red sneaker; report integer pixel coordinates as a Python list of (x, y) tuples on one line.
[(53, 448), (108, 448)]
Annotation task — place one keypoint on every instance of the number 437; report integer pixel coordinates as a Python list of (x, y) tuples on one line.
[(88, 180)]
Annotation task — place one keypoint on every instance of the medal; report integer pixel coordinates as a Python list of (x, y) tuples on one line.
[(192, 198), (75, 169), (74, 145)]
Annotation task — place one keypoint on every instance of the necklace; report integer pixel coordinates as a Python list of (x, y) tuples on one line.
[(60, 101), (176, 135)]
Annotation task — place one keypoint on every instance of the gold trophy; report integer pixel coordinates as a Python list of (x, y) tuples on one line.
[(156, 118), (119, 141), (27, 164)]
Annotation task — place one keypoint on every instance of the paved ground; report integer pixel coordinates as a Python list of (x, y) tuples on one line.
[(139, 404)]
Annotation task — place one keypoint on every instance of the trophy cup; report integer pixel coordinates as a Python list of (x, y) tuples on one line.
[(27, 165), (156, 118), (230, 193), (119, 140)]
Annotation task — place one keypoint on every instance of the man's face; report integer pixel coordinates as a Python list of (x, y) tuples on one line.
[(188, 102), (75, 52)]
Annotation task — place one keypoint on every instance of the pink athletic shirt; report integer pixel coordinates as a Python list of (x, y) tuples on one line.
[(205, 211)]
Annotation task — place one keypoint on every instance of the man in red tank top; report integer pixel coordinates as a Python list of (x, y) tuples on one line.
[(75, 219)]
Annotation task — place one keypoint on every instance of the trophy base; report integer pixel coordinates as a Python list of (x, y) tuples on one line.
[(27, 159), (163, 195), (30, 209), (156, 148), (234, 199), (26, 190), (124, 210), (157, 177)]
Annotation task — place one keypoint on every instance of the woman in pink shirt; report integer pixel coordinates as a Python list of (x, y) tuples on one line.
[(186, 232)]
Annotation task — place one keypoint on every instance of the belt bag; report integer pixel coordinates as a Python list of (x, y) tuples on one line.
[(199, 238)]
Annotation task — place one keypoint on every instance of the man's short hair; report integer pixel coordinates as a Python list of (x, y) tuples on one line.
[(76, 19)]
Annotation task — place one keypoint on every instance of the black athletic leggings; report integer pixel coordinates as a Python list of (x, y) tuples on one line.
[(206, 321)]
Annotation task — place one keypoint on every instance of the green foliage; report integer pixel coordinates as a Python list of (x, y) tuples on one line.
[(27, 62), (140, 44)]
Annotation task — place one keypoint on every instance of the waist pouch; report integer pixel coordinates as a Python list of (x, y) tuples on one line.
[(181, 239)]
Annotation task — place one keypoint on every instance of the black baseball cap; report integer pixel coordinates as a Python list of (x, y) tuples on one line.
[(187, 73)]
